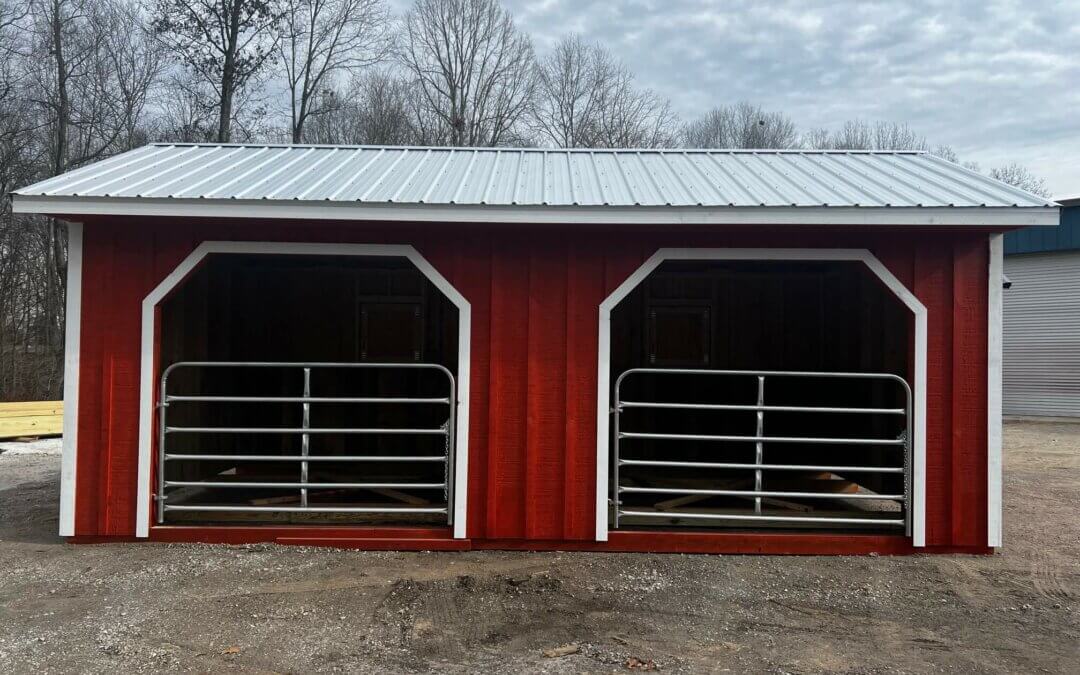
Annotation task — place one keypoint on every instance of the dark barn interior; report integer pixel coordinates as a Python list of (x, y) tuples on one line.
[(277, 309), (833, 317)]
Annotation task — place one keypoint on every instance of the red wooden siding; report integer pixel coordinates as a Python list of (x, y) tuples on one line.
[(535, 295)]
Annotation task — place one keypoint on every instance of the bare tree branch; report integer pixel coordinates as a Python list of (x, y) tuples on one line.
[(472, 67), (323, 38)]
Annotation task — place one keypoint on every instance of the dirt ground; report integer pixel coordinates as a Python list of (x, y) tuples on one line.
[(265, 608)]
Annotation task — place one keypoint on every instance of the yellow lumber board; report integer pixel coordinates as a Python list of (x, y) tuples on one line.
[(31, 425), (31, 408)]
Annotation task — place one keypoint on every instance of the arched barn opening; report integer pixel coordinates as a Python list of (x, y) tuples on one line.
[(761, 394), (306, 389)]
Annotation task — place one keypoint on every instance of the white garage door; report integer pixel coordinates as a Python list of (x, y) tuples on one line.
[(1042, 335)]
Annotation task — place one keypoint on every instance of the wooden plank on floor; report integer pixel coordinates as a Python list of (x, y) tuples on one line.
[(412, 500)]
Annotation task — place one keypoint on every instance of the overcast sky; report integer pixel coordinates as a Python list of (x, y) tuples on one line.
[(998, 80)]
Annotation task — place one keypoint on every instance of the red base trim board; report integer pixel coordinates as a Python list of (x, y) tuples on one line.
[(440, 539)]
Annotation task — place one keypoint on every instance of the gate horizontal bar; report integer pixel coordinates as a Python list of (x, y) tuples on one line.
[(766, 373), (290, 430), (254, 484), (308, 509), (765, 408), (300, 399), (309, 458), (764, 439), (759, 493), (668, 515), (303, 364), (764, 467)]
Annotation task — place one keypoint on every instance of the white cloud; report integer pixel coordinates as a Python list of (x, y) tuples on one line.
[(993, 79), (998, 80)]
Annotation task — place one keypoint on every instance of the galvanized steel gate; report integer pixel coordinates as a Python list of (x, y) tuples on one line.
[(761, 440), (304, 458)]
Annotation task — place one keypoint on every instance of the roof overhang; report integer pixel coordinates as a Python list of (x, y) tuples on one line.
[(540, 215)]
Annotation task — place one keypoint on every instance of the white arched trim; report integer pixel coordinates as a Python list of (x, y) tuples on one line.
[(147, 386), (862, 255)]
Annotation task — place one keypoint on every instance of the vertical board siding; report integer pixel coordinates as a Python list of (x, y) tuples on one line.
[(508, 391), (970, 261), (546, 393), (473, 280), (934, 286), (584, 293), (92, 449), (535, 298)]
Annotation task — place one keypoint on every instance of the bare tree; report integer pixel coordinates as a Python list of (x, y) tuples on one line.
[(75, 77), (742, 125), (12, 15), (634, 118), (585, 97), (129, 69), (375, 108), (224, 43), (880, 135), (1020, 176), (322, 38), (473, 68), (570, 88)]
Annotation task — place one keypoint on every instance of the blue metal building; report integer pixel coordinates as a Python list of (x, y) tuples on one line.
[(1041, 374)]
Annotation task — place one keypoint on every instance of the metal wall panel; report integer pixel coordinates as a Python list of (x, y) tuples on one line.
[(1046, 238), (1042, 335)]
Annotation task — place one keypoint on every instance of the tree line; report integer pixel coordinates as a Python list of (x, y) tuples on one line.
[(81, 80)]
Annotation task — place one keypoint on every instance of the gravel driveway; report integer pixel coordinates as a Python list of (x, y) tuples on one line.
[(266, 608)]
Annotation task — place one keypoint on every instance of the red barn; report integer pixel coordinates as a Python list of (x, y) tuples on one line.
[(434, 348)]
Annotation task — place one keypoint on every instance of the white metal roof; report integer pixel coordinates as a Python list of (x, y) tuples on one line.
[(201, 175)]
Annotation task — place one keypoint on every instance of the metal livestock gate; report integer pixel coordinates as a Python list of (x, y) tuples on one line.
[(196, 500), (762, 440)]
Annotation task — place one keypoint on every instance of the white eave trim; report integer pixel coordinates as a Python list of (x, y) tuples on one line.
[(615, 215)]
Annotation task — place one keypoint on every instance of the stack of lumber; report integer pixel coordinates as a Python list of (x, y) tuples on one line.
[(31, 419)]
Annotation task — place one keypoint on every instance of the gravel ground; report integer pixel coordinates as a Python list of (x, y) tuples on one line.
[(265, 608)]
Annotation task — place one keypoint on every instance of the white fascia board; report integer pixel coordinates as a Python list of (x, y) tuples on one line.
[(541, 215)]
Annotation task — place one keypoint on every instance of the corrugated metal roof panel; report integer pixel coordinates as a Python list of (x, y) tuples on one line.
[(537, 177)]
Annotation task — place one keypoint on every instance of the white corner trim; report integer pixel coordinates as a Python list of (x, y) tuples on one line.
[(148, 376), (994, 342), (912, 303), (979, 216), (72, 331)]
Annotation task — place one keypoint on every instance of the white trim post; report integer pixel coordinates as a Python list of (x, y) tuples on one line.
[(918, 310), (72, 331), (148, 376), (994, 343)]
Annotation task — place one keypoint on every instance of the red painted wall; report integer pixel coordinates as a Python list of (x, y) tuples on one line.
[(535, 294)]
